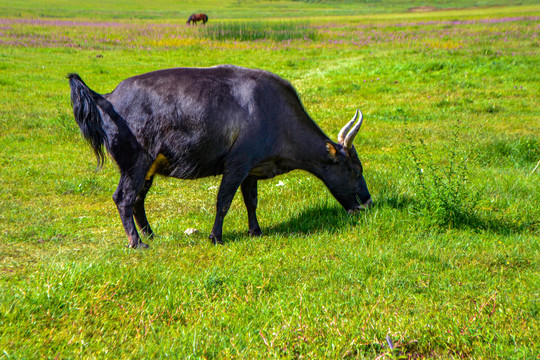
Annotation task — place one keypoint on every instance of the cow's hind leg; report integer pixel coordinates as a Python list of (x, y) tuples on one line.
[(139, 211), (249, 192), (125, 197)]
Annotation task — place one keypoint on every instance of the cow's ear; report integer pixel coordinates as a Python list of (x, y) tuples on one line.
[(332, 152)]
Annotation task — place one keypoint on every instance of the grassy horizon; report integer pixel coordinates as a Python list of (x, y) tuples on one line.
[(446, 263)]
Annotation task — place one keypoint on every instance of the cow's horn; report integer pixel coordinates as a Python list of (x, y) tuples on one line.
[(346, 128), (348, 142)]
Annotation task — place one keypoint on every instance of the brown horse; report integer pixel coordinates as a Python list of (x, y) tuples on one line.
[(197, 17)]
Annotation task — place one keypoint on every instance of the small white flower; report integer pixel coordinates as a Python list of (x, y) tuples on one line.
[(191, 231)]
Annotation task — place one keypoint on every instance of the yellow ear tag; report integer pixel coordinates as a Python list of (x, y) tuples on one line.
[(332, 151)]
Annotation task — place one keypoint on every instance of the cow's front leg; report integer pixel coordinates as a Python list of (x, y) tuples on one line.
[(229, 185), (249, 192)]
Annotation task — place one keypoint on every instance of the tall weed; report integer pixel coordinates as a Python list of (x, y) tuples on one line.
[(442, 188)]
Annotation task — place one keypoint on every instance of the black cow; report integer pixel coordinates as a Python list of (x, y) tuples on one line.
[(190, 123)]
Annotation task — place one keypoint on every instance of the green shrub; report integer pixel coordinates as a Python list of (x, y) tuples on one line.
[(442, 189)]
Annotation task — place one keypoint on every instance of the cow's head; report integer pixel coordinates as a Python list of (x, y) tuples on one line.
[(344, 176)]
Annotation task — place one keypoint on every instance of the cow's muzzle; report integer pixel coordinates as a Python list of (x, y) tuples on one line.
[(366, 205)]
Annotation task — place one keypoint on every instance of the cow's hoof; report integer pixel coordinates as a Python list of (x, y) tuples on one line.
[(215, 240), (255, 232), (139, 245)]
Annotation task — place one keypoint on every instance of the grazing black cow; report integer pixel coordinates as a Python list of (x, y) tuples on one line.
[(197, 17), (190, 123)]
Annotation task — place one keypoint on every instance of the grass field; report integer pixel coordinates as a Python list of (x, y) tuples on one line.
[(230, 9), (445, 264)]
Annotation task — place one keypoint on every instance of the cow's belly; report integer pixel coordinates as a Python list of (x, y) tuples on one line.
[(183, 168), (266, 170)]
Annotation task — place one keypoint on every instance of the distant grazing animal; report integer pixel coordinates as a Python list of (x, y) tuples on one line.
[(197, 17), (190, 123)]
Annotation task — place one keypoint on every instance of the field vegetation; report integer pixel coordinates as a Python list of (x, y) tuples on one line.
[(172, 10), (444, 265)]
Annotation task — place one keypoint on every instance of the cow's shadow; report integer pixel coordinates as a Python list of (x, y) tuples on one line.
[(326, 217), (311, 221)]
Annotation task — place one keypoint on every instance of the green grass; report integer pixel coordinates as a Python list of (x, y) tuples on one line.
[(320, 283), (229, 9)]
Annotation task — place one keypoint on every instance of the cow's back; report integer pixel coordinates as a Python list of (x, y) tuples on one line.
[(194, 116)]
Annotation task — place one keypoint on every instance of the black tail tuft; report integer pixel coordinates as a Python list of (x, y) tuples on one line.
[(87, 115)]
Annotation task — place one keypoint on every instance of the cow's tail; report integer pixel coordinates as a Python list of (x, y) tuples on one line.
[(87, 115)]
